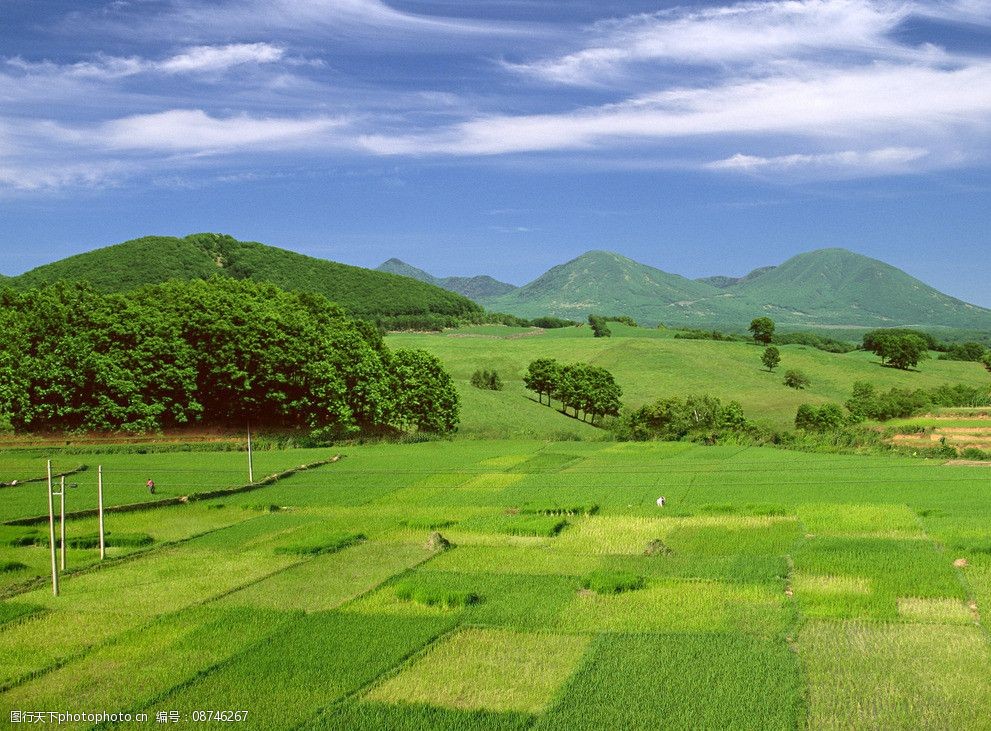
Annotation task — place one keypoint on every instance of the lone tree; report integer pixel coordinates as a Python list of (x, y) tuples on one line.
[(898, 348), (599, 327), (771, 358), (762, 328), (796, 379), (542, 376), (906, 352)]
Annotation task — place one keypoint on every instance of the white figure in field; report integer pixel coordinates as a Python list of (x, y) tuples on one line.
[(661, 501)]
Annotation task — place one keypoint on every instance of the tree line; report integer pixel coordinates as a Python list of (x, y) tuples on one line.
[(220, 351), (590, 391)]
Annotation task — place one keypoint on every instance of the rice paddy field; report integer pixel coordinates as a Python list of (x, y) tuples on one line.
[(775, 590)]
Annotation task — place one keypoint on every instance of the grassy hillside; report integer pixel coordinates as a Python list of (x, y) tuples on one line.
[(650, 364), (155, 259), (474, 288)]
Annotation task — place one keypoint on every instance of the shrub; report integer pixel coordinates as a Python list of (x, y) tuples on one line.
[(827, 417), (599, 327), (486, 379), (796, 379)]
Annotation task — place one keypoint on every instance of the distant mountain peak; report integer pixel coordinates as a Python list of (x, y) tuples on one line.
[(475, 288)]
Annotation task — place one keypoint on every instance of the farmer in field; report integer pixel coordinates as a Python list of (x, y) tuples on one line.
[(151, 486)]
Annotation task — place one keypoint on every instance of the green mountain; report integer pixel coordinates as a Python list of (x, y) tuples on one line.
[(828, 288), (840, 287), (153, 259), (605, 283), (474, 288), (725, 282)]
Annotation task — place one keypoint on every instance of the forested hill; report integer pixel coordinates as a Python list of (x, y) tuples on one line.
[(155, 259)]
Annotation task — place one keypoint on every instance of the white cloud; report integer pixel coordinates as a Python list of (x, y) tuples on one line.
[(322, 16), (881, 101), (750, 32), (193, 60), (195, 131), (880, 161), (48, 176)]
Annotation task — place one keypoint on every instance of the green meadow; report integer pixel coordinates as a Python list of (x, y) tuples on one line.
[(651, 364), (775, 590)]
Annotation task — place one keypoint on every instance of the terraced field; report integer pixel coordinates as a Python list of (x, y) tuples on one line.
[(775, 590), (960, 428)]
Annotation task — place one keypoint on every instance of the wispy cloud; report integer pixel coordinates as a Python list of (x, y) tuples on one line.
[(877, 100), (192, 60), (745, 33), (882, 161), (195, 131)]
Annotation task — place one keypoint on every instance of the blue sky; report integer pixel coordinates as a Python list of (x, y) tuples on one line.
[(504, 136)]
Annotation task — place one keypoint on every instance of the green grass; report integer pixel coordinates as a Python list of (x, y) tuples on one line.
[(649, 367)]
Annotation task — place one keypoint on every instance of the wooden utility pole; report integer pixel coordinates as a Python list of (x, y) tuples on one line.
[(99, 502), (51, 530), (61, 522), (251, 469)]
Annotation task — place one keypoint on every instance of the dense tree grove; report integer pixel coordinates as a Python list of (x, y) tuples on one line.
[(589, 390), (970, 351), (867, 402), (218, 351), (699, 416)]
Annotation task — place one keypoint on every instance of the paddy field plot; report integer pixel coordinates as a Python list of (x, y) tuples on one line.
[(776, 590)]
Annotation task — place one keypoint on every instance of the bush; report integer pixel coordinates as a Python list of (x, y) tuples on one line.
[(796, 379), (599, 327), (813, 340), (551, 323), (691, 334), (624, 319), (828, 417), (488, 380)]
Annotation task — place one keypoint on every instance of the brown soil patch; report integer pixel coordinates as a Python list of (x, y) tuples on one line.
[(967, 463), (961, 563)]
